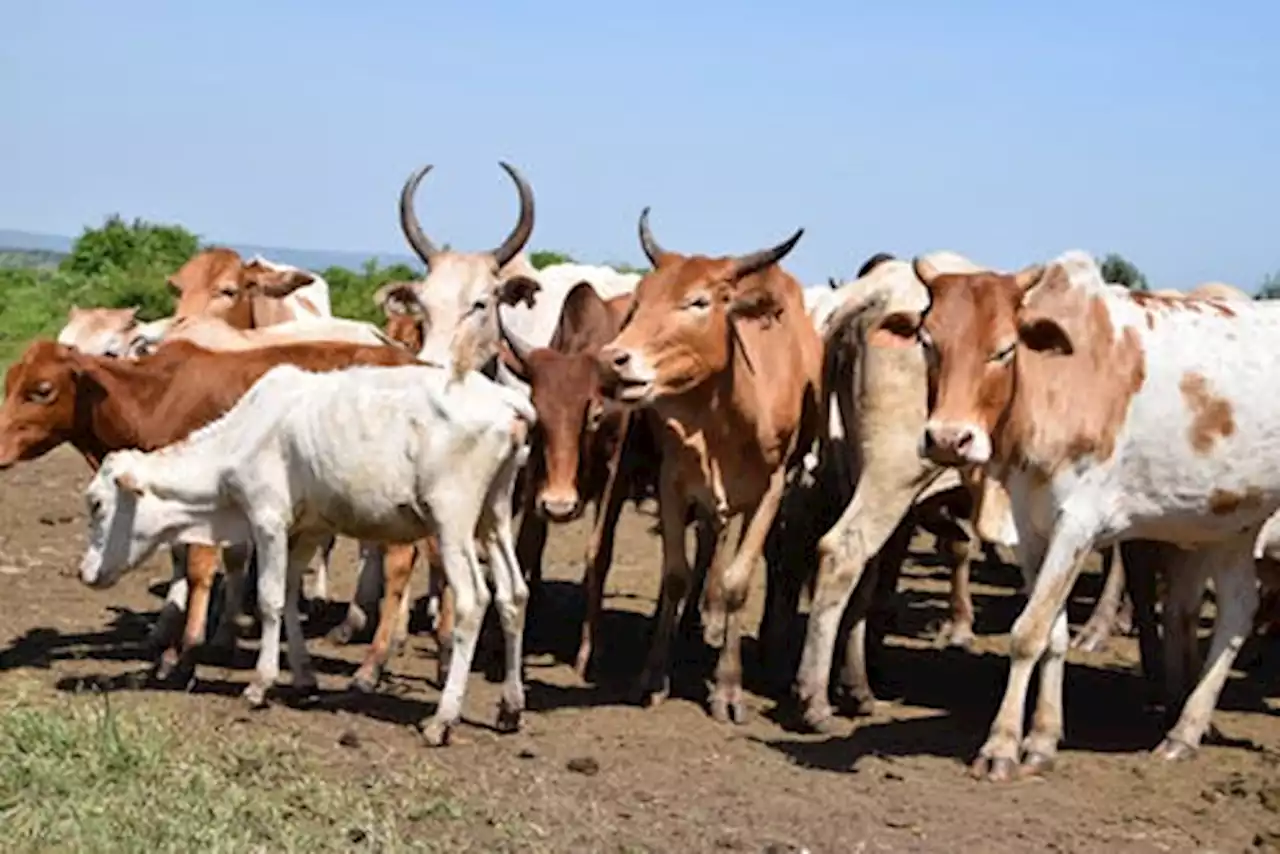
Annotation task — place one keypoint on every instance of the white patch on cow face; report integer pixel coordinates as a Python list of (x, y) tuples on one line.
[(122, 529)]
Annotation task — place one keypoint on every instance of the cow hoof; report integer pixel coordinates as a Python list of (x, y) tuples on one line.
[(582, 663), (508, 718), (341, 634), (166, 666), (725, 710), (1092, 638), (999, 769), (855, 705), (1036, 764), (363, 684), (435, 733), (1174, 750), (819, 718), (255, 695), (650, 692)]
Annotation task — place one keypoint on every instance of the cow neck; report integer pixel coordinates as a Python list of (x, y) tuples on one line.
[(114, 416)]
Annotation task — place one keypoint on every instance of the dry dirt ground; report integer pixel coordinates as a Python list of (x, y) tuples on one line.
[(589, 772)]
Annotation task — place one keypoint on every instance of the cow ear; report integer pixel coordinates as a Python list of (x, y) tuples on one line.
[(399, 298), (519, 289), (755, 303), (275, 283), (1045, 335)]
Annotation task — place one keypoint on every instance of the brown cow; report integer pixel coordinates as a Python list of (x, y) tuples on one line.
[(724, 354), (577, 453), (98, 404), (246, 294)]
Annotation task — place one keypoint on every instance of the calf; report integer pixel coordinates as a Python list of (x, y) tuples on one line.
[(1084, 400), (291, 463), (723, 354), (98, 405), (577, 451)]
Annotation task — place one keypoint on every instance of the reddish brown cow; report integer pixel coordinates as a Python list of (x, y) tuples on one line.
[(723, 353), (100, 404), (577, 454)]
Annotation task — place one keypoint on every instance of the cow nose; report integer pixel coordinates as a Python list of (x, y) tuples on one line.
[(617, 357), (559, 508), (947, 443)]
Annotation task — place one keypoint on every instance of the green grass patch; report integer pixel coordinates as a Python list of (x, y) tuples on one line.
[(86, 776)]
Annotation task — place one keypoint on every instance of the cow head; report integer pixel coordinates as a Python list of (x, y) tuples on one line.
[(404, 315), (577, 428), (217, 282), (677, 333), (459, 297), (971, 331), (40, 406), (99, 331)]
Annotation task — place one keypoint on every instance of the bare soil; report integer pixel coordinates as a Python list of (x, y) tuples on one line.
[(591, 772)]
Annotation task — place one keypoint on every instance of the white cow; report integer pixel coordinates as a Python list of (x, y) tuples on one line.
[(1087, 403), (462, 290), (384, 454), (214, 333)]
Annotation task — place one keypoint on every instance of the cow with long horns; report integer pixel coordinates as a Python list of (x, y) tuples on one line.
[(456, 302)]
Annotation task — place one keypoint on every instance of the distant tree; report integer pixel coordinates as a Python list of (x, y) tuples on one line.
[(117, 246), (1121, 271), (1270, 287), (546, 257)]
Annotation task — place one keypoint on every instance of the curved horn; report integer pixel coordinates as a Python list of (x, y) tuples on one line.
[(409, 224), (650, 246), (519, 235), (520, 348), (745, 265)]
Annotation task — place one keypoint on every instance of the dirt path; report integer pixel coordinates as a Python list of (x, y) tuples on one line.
[(669, 779)]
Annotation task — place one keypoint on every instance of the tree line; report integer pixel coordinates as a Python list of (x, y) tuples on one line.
[(120, 264)]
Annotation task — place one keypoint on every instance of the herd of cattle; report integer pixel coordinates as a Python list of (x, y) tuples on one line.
[(1044, 411)]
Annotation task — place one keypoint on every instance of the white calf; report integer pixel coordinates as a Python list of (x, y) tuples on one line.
[(382, 454)]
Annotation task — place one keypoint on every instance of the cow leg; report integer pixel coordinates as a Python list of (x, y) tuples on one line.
[(398, 560), (870, 607), (1183, 602), (1041, 631), (273, 567), (958, 631), (442, 625), (301, 553), (599, 559), (368, 591), (511, 596), (471, 591), (531, 542), (165, 631), (235, 564), (1141, 558), (726, 596), (320, 588), (861, 531), (1094, 634), (202, 568), (1236, 587), (655, 679)]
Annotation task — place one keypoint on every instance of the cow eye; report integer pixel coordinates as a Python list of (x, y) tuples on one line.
[(228, 292), (1003, 353), (701, 302), (42, 393)]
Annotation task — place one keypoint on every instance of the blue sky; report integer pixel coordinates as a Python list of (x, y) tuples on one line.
[(1006, 131)]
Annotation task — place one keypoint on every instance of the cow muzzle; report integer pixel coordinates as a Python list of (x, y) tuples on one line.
[(955, 443), (625, 376), (560, 508)]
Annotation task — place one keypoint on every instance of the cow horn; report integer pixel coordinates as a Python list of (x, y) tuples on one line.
[(520, 348), (650, 246), (409, 224), (519, 236), (745, 265)]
